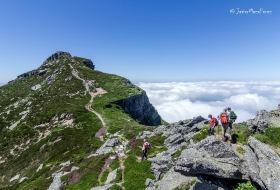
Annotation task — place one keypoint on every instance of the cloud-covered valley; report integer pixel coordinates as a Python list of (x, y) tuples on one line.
[(184, 100)]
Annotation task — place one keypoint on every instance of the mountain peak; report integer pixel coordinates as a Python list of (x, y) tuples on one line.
[(56, 56)]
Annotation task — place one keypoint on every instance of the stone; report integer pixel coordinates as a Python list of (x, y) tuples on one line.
[(36, 87), (145, 134), (105, 187), (30, 73), (41, 72), (55, 185), (211, 157), (260, 122), (172, 180), (140, 109), (22, 179), (74, 168), (149, 182), (50, 79), (16, 177), (39, 168), (112, 142), (65, 164), (111, 177), (262, 164), (174, 140), (68, 79), (88, 63), (56, 56)]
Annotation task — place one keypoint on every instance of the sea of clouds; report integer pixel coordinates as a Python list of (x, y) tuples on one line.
[(184, 100)]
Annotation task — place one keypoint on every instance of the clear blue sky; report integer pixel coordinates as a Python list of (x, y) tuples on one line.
[(145, 40)]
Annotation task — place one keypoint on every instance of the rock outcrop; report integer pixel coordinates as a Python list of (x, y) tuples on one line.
[(264, 120), (262, 164), (140, 108), (56, 56)]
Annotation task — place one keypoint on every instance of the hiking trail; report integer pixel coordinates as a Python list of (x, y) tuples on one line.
[(98, 92)]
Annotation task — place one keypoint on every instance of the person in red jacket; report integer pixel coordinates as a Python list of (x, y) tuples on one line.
[(224, 122), (213, 122)]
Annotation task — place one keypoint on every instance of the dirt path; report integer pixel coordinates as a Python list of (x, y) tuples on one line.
[(98, 92)]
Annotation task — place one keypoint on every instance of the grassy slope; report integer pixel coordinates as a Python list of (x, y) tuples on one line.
[(77, 142)]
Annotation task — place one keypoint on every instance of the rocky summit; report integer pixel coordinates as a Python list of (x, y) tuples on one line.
[(66, 125)]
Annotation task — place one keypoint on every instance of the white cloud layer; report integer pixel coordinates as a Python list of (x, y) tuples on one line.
[(184, 100)]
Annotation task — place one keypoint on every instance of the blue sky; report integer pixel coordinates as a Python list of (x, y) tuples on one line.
[(148, 41)]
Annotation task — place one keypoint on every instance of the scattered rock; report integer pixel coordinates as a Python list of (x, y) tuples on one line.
[(55, 185), (68, 79), (111, 177), (36, 87), (105, 187), (22, 179), (65, 164), (56, 56), (112, 142), (41, 72), (145, 134), (16, 177), (39, 168), (74, 168), (174, 140)]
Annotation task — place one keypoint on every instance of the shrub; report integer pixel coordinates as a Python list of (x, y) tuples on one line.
[(245, 186)]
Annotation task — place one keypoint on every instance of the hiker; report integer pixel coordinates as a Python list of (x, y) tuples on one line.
[(231, 119), (213, 123), (224, 122), (145, 148)]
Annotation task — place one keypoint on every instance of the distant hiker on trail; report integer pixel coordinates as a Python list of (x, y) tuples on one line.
[(224, 122), (145, 148), (213, 123), (231, 119)]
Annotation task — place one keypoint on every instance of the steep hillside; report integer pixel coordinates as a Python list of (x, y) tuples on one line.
[(60, 112)]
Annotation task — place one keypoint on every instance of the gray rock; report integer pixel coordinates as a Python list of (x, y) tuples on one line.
[(105, 187), (39, 168), (88, 63), (158, 170), (260, 122), (139, 108), (189, 136), (149, 182), (172, 180), (145, 134), (212, 158), (56, 56), (262, 164), (112, 142), (55, 185), (111, 177), (22, 179), (50, 79), (65, 164), (41, 72), (174, 140), (68, 79), (36, 87), (30, 73), (16, 177), (74, 168)]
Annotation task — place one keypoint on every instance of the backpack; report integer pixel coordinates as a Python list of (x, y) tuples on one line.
[(232, 115), (147, 146), (224, 118)]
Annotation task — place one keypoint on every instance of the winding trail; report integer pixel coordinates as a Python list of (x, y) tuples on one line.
[(98, 92)]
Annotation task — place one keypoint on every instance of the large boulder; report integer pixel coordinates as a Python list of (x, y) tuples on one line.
[(210, 157), (260, 122), (262, 164)]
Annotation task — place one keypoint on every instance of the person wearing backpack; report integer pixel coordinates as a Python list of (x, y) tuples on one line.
[(146, 146), (224, 122), (213, 123), (231, 119)]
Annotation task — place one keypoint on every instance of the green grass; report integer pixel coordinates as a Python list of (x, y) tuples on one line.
[(104, 176), (245, 186), (202, 134), (186, 187), (270, 136), (136, 170), (115, 164), (240, 134), (115, 187)]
